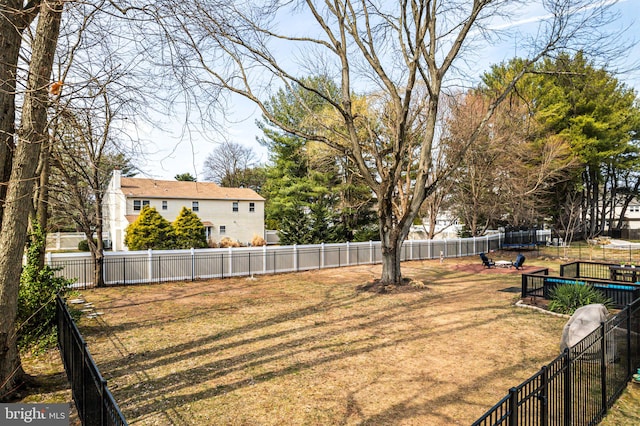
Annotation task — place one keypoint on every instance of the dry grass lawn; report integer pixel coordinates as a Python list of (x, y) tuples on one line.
[(312, 349)]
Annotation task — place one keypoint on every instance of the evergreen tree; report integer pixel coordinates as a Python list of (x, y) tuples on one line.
[(185, 177), (306, 178), (150, 231), (189, 230)]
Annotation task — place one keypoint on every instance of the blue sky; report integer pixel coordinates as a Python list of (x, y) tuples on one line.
[(172, 151)]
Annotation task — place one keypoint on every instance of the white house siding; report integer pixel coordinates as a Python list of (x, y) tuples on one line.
[(215, 213)]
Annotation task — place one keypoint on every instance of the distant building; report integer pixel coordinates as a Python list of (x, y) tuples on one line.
[(237, 213)]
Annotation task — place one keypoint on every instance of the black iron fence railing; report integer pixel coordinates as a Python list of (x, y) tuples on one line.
[(580, 273), (580, 385), (94, 401), (540, 284)]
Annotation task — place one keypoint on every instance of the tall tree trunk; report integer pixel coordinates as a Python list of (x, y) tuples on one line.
[(13, 20), (97, 252), (42, 196), (32, 134)]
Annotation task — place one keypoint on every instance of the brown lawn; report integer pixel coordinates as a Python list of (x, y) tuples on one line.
[(311, 348)]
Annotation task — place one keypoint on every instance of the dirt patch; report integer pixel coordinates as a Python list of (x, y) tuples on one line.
[(408, 285)]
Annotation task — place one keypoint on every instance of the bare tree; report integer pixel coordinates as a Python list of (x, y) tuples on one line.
[(228, 161), (31, 135), (396, 50)]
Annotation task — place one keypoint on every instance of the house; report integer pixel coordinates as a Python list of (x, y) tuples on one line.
[(237, 213), (630, 229)]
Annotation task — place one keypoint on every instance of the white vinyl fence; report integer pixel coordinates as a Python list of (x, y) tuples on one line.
[(133, 267)]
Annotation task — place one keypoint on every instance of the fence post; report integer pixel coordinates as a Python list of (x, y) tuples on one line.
[(348, 257), (149, 257), (629, 363), (567, 387), (603, 366), (193, 264), (230, 261), (103, 392), (513, 407), (543, 397), (370, 251), (264, 259), (321, 260), (295, 257)]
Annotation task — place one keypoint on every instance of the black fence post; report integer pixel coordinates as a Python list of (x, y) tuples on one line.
[(543, 397), (103, 392), (513, 407), (567, 387), (629, 363), (603, 366)]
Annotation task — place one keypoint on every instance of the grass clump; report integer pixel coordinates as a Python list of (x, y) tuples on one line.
[(565, 299)]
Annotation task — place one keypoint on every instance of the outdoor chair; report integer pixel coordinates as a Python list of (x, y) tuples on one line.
[(488, 263), (519, 261)]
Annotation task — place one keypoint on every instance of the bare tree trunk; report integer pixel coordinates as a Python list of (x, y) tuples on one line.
[(42, 196), (13, 20), (32, 134)]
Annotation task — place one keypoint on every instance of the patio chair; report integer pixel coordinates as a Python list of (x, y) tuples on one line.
[(519, 261), (488, 263)]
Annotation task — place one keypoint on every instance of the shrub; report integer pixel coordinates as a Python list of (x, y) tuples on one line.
[(227, 242), (565, 299), (36, 316), (84, 245), (150, 231), (258, 241), (189, 230)]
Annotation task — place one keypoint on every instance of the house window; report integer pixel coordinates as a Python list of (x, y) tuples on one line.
[(223, 229), (252, 207), (235, 206), (195, 206), (164, 205), (138, 204)]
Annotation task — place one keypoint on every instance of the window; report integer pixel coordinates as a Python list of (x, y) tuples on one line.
[(252, 207), (235, 206), (164, 205), (223, 229), (138, 204), (195, 206)]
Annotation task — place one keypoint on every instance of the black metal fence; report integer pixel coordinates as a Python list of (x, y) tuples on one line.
[(540, 283), (580, 385), (94, 401)]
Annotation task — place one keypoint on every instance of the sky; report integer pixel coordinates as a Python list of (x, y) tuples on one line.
[(175, 149)]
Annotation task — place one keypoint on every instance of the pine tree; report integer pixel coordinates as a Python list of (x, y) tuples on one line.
[(189, 230), (150, 231)]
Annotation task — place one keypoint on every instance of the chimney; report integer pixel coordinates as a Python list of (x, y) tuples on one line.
[(117, 174)]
